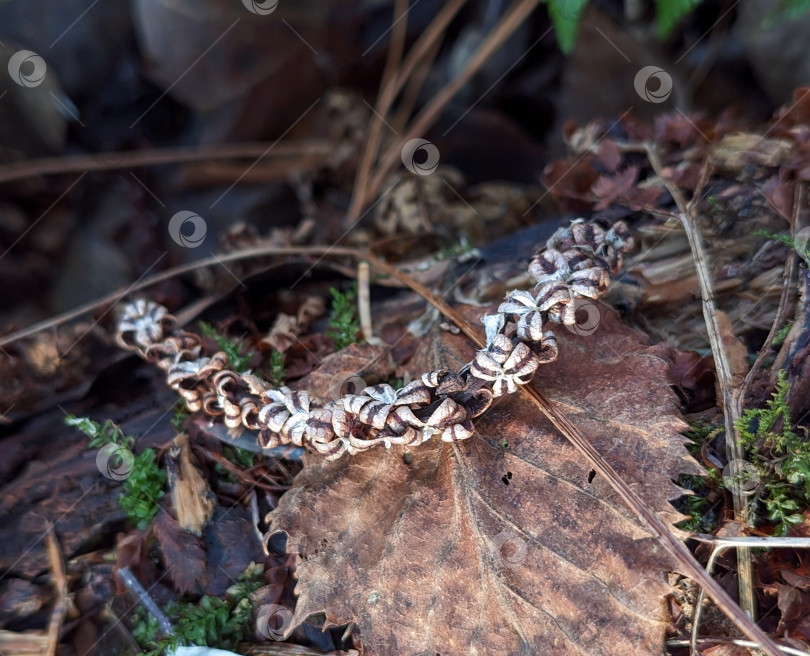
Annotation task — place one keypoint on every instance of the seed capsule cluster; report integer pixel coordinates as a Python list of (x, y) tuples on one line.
[(576, 263)]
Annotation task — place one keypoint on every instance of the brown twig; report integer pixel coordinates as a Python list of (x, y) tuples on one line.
[(719, 640), (168, 274), (242, 475), (155, 156), (60, 584), (364, 302), (720, 544), (395, 48), (732, 401)]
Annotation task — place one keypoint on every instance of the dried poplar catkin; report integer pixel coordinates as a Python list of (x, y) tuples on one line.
[(577, 262)]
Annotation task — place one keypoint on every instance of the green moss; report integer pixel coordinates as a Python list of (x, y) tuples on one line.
[(208, 622), (276, 372), (145, 482), (781, 456), (237, 359), (143, 489), (343, 321)]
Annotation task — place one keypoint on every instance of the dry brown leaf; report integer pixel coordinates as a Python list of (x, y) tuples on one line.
[(482, 547), (622, 188), (680, 129), (608, 188), (735, 151), (283, 334), (793, 603), (182, 553), (779, 192), (793, 114), (570, 180), (287, 328)]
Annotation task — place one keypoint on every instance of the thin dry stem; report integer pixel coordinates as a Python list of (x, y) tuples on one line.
[(168, 274), (60, 583), (412, 89), (722, 640), (499, 34), (364, 302), (391, 86), (720, 545), (781, 310), (385, 97), (156, 156), (732, 402), (128, 578)]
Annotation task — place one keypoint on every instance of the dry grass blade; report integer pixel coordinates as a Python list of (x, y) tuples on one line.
[(713, 642), (385, 97), (168, 274), (391, 85), (155, 156), (411, 93), (494, 40), (732, 399), (720, 545)]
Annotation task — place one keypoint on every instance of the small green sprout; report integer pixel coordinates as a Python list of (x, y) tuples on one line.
[(702, 516), (100, 434), (782, 508), (781, 335), (180, 414), (777, 467), (757, 426), (145, 481)]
